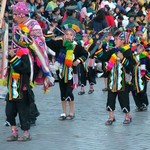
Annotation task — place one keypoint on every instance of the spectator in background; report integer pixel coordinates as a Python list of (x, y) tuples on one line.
[(90, 9), (137, 7), (96, 5), (141, 20), (56, 14), (109, 18), (39, 2), (52, 4), (128, 6), (80, 4), (39, 13), (48, 13), (132, 11), (132, 23), (119, 21), (71, 19), (125, 20), (116, 12), (40, 10), (32, 7), (120, 6), (83, 12), (111, 4), (99, 21)]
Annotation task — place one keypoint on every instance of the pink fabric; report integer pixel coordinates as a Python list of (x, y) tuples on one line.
[(22, 51), (84, 12), (102, 4), (21, 9), (64, 18)]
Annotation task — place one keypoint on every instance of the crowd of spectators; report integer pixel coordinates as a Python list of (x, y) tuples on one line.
[(89, 14)]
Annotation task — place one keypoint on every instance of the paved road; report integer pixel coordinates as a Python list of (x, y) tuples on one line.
[(87, 131)]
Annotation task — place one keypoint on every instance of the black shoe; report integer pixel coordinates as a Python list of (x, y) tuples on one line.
[(105, 89), (139, 109), (7, 124), (127, 121), (144, 108), (81, 93), (110, 122), (90, 91), (62, 117)]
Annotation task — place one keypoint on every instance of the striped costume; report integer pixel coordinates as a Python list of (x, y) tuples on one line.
[(117, 78)]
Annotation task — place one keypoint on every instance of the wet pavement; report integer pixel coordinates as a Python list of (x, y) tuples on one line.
[(87, 131)]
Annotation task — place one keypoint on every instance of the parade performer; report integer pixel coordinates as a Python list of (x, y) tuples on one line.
[(68, 55), (141, 73), (119, 67), (29, 41), (139, 85), (3, 49), (107, 44), (28, 33), (87, 70), (18, 93)]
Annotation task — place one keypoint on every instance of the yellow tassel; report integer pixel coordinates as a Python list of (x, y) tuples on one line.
[(3, 82), (32, 84)]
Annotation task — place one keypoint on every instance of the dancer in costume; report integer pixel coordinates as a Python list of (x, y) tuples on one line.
[(107, 44), (140, 70), (119, 67), (29, 41), (28, 33), (68, 55), (18, 93), (87, 70), (141, 73)]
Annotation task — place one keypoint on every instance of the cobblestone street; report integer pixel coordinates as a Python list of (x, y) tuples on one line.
[(87, 131)]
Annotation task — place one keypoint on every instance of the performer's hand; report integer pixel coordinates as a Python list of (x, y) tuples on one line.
[(75, 63), (99, 42), (120, 55), (11, 53)]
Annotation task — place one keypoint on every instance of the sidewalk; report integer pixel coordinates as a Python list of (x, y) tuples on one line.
[(87, 131)]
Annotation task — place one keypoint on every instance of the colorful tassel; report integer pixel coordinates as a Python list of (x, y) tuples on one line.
[(69, 54), (143, 56), (111, 62)]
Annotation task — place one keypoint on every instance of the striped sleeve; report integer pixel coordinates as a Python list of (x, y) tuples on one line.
[(99, 53), (15, 61), (125, 62), (82, 59), (147, 76)]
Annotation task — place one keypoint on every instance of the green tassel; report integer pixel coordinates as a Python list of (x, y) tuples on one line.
[(68, 44)]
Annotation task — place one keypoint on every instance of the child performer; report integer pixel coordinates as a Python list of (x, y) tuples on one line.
[(141, 73), (87, 70), (68, 55), (119, 66), (107, 44)]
